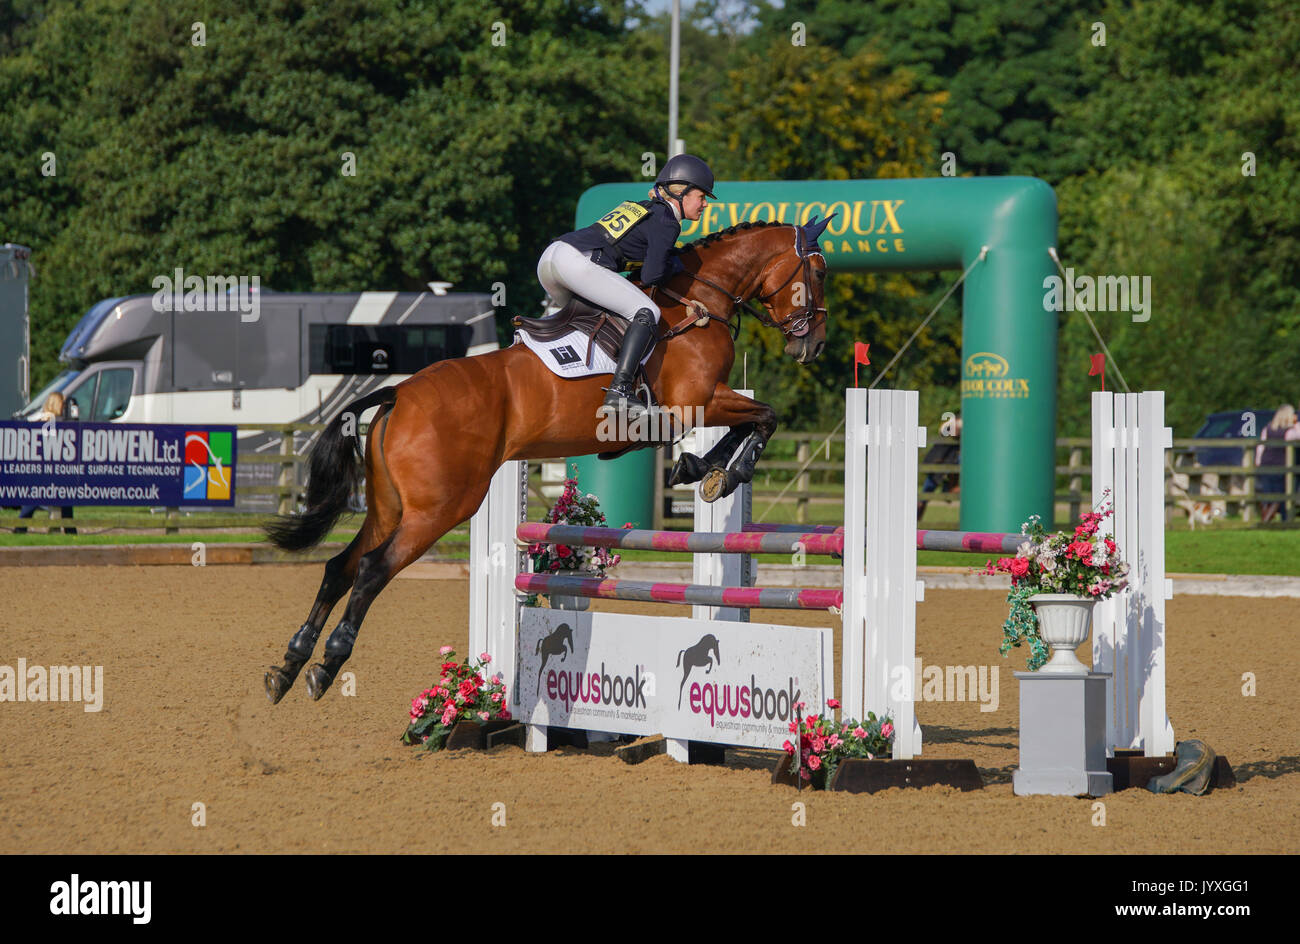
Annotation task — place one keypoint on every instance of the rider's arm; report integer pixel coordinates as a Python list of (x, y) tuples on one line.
[(661, 263)]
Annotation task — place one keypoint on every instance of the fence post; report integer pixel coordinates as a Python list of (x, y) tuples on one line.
[(1291, 503), (801, 484), (657, 518), (1076, 482), (1249, 463), (287, 479)]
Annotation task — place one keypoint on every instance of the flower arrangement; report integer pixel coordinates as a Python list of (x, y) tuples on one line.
[(463, 693), (573, 508), (824, 743), (1084, 564)]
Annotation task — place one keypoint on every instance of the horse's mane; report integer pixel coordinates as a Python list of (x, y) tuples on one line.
[(730, 231)]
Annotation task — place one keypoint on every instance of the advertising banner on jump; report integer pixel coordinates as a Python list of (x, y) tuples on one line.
[(700, 680), (73, 463)]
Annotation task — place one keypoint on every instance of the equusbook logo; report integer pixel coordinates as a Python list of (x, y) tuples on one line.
[(75, 897)]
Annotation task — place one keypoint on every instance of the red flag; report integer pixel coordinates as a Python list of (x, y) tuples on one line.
[(1098, 367), (859, 357)]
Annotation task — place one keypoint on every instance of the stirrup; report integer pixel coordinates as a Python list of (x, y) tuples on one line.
[(622, 398)]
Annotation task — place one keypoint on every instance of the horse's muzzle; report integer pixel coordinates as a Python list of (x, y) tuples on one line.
[(805, 349)]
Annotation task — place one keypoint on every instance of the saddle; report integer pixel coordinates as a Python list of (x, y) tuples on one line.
[(597, 324), (601, 328)]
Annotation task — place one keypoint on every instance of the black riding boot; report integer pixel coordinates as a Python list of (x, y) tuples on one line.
[(621, 395)]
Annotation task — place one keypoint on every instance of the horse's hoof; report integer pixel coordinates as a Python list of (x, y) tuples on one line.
[(318, 681), (714, 485), (277, 682)]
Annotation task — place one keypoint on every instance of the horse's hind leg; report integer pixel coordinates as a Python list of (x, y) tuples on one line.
[(383, 510), (411, 538), (339, 574)]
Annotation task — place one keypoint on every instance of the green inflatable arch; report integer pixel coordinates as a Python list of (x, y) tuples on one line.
[(1008, 382)]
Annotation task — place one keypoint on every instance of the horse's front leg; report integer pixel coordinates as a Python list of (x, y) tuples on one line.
[(751, 426)]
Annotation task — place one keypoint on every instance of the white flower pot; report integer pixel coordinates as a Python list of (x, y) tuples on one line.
[(1063, 621)]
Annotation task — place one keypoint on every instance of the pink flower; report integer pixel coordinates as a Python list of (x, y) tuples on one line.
[(886, 729), (448, 716), (834, 740), (483, 715), (832, 702), (445, 650), (814, 762), (505, 714), (859, 732), (563, 551), (789, 748), (793, 727), (819, 745), (484, 657)]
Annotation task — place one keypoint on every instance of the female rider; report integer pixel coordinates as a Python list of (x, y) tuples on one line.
[(586, 262)]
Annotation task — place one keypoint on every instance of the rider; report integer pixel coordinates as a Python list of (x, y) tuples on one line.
[(586, 262)]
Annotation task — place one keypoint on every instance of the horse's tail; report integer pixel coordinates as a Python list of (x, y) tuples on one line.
[(334, 474)]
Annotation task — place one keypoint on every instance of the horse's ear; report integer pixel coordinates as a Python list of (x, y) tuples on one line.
[(813, 229)]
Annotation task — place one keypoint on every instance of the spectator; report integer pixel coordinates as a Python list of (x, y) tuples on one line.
[(942, 453), (52, 411), (1284, 427)]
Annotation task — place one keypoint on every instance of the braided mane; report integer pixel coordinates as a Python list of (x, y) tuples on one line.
[(730, 231)]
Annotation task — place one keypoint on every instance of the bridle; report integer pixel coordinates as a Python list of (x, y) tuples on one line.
[(793, 325)]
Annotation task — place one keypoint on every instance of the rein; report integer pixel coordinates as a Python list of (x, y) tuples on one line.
[(794, 325)]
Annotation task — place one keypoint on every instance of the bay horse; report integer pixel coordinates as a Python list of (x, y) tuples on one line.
[(441, 434)]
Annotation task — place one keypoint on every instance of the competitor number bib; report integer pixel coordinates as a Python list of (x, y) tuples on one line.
[(618, 221)]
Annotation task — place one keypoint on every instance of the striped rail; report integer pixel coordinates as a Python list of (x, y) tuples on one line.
[(645, 591), (752, 541)]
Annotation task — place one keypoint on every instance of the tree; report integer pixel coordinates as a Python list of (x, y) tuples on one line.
[(794, 113), (229, 152)]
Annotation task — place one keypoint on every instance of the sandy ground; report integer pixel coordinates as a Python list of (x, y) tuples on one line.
[(185, 721)]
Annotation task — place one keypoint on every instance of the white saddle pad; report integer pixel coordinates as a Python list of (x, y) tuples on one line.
[(566, 356)]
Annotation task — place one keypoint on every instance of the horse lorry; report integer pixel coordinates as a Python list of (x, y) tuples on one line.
[(301, 360)]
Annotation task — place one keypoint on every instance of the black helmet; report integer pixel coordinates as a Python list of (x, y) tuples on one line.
[(687, 169)]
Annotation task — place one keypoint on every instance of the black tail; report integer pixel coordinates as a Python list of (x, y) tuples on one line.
[(335, 473)]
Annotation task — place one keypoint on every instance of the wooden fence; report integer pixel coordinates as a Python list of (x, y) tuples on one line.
[(799, 471)]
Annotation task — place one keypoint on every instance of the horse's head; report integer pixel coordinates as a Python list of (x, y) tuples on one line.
[(780, 266), (792, 286)]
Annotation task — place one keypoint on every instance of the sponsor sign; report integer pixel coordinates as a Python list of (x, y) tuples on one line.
[(701, 680), (72, 463)]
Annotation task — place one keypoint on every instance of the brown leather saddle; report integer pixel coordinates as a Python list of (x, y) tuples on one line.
[(601, 328), (579, 314)]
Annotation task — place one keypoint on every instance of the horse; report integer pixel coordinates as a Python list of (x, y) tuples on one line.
[(440, 435)]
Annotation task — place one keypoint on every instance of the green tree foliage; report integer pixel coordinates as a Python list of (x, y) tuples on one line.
[(1180, 94), (797, 113), (1008, 67), (228, 157)]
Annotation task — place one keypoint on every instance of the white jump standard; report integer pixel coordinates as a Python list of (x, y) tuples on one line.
[(877, 600)]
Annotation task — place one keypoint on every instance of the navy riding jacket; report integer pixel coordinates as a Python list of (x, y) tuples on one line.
[(649, 242)]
